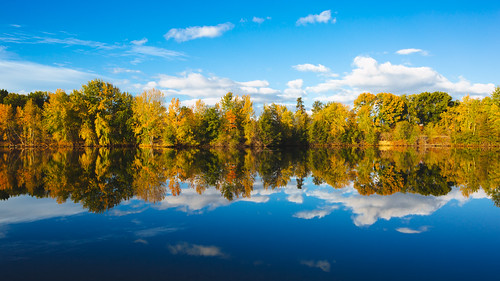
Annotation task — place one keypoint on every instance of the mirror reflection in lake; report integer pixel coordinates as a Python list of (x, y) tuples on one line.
[(340, 214)]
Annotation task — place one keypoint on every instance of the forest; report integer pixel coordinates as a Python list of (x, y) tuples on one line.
[(99, 114)]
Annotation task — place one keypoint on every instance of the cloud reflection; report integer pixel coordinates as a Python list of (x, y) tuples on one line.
[(321, 264), (196, 250), (408, 230), (26, 209)]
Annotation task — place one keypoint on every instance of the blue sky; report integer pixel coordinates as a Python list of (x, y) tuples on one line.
[(320, 50)]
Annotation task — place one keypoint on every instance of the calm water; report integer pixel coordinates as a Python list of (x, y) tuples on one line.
[(249, 215)]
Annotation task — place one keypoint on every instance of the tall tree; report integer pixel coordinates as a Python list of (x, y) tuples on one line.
[(30, 118), (7, 123), (60, 118), (105, 113), (148, 116)]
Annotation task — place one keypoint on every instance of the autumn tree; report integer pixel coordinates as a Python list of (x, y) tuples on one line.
[(329, 125), (30, 118), (389, 109), (236, 114), (104, 112), (8, 123), (364, 109), (60, 118), (179, 125), (148, 116)]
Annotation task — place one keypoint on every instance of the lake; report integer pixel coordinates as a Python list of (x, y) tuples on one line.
[(295, 214)]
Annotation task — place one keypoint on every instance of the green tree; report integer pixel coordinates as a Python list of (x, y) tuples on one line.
[(269, 125), (16, 100), (105, 113), (301, 123), (426, 107), (3, 94)]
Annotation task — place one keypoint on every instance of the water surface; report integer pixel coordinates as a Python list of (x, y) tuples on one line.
[(342, 214)]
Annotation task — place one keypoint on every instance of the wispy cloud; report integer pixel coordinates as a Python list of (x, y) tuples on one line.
[(138, 47), (260, 20), (141, 241), (407, 230), (134, 48), (323, 17), (24, 76), (117, 70), (74, 42), (151, 232), (196, 250), (321, 264), (195, 32), (412, 51), (311, 68), (15, 25)]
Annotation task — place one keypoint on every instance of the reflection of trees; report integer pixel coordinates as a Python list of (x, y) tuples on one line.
[(100, 179)]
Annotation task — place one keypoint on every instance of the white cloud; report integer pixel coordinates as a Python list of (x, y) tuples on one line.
[(311, 67), (323, 17), (196, 250), (211, 88), (139, 42), (411, 51), (195, 32), (294, 90), (407, 230), (23, 76), (321, 264), (258, 20), (255, 83), (15, 25), (117, 70), (370, 76)]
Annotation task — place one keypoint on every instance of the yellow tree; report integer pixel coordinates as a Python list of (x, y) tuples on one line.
[(179, 125), (148, 116), (364, 108), (7, 123), (31, 123), (389, 109), (59, 118)]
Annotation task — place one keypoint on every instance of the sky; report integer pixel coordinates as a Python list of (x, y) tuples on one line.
[(274, 51)]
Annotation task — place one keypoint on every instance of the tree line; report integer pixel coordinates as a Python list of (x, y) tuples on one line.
[(102, 178), (99, 114)]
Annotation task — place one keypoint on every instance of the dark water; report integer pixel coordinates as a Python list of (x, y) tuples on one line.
[(250, 215)]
